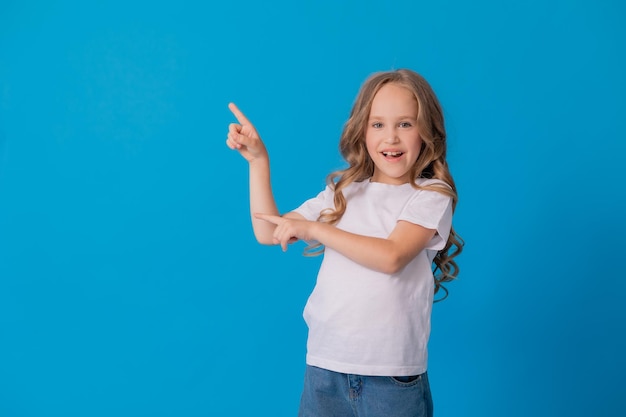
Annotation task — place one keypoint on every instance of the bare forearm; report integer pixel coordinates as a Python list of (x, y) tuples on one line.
[(261, 199), (388, 255), (375, 253)]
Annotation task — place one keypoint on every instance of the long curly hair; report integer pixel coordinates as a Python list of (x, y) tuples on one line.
[(431, 162)]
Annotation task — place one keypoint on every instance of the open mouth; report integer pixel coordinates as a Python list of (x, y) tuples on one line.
[(392, 154)]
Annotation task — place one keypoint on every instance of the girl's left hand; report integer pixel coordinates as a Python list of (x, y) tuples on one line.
[(287, 230)]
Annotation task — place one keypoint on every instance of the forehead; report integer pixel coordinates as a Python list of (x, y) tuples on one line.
[(394, 99)]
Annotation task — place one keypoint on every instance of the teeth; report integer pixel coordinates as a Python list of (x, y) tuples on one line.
[(392, 153)]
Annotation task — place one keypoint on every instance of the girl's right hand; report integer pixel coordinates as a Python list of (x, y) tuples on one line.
[(244, 138)]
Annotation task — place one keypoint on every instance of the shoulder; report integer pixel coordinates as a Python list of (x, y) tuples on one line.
[(349, 190), (428, 182), (433, 194), (430, 207)]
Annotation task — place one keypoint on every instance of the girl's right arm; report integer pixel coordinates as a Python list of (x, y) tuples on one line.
[(244, 138)]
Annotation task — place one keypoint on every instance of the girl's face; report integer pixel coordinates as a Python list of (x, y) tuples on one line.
[(391, 137)]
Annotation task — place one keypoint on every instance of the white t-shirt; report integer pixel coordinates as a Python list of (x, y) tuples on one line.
[(366, 322)]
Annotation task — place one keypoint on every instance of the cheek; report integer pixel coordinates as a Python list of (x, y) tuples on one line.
[(417, 149), (370, 144), (418, 145)]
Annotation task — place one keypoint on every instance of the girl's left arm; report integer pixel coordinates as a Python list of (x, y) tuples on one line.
[(388, 255)]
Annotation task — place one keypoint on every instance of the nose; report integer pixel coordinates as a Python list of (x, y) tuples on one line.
[(392, 136)]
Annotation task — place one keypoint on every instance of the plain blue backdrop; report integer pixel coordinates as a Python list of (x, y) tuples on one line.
[(130, 283)]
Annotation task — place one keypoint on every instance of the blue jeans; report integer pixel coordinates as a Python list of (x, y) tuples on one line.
[(332, 394)]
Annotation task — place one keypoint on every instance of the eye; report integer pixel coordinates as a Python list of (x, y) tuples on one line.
[(406, 124), (377, 125)]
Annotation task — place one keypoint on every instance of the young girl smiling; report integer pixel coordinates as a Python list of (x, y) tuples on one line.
[(384, 225)]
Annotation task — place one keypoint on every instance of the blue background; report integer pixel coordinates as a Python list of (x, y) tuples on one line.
[(130, 283)]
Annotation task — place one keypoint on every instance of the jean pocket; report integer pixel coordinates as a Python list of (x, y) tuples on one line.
[(406, 380)]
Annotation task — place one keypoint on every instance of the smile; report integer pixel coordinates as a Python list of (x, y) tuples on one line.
[(392, 154)]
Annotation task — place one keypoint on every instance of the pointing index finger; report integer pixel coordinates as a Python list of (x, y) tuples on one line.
[(268, 218), (241, 118)]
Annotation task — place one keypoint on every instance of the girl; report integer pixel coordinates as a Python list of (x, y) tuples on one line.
[(384, 224)]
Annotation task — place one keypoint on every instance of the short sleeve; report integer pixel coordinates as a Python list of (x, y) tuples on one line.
[(311, 208), (432, 210)]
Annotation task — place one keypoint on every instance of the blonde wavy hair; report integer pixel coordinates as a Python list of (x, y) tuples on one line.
[(431, 162)]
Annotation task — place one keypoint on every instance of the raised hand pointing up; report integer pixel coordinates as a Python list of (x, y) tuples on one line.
[(244, 138)]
